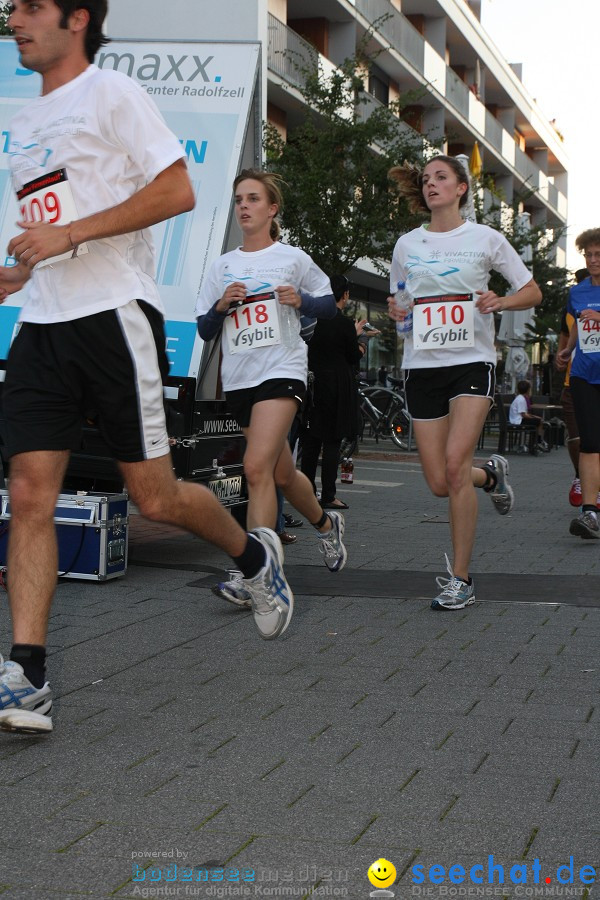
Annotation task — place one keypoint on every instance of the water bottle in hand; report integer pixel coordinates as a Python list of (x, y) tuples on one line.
[(404, 301), (289, 326)]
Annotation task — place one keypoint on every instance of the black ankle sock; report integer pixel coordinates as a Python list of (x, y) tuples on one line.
[(468, 580), (33, 659), (321, 521), (252, 559), (589, 507), (491, 479)]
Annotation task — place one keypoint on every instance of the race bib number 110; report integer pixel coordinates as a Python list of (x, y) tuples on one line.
[(49, 199), (443, 323)]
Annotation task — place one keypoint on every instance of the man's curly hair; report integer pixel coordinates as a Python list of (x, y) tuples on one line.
[(588, 238)]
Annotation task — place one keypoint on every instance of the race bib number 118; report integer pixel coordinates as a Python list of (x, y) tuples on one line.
[(253, 324)]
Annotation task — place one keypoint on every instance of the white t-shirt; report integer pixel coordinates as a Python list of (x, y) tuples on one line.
[(455, 262), (517, 408), (263, 270), (104, 130)]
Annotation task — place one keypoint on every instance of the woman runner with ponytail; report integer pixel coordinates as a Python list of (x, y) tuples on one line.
[(254, 296), (450, 355)]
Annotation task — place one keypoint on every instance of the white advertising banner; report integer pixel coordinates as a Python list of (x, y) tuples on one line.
[(204, 92)]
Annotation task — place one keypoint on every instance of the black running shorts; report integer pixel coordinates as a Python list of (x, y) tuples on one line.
[(429, 391), (568, 414), (586, 403), (240, 403), (110, 365)]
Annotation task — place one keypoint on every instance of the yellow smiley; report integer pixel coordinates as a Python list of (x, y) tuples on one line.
[(381, 873)]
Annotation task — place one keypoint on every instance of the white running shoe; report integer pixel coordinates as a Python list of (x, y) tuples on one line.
[(502, 495), (455, 594), (23, 707), (332, 545), (233, 590), (586, 525), (270, 595)]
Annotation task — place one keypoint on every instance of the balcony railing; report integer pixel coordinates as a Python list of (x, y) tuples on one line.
[(403, 37), (552, 195), (457, 93), (369, 103), (289, 55), (527, 169), (493, 131)]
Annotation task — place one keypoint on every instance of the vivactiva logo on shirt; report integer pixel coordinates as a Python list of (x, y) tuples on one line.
[(436, 267)]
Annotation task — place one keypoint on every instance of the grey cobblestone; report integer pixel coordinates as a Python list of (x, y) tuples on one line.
[(374, 728)]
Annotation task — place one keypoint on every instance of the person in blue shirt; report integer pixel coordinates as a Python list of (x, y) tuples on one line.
[(584, 338)]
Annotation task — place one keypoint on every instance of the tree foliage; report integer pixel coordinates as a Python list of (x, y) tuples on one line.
[(338, 204), (537, 245), (4, 11)]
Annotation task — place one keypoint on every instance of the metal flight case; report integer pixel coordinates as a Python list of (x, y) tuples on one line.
[(92, 531)]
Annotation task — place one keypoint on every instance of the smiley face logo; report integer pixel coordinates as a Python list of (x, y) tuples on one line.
[(381, 873)]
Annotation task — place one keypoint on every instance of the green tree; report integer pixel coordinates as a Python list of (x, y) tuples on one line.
[(338, 205), (538, 244), (4, 11)]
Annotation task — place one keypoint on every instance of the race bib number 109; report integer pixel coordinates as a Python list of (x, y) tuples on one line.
[(49, 199), (443, 323)]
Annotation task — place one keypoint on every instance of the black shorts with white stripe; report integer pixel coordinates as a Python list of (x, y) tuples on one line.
[(430, 391), (111, 363)]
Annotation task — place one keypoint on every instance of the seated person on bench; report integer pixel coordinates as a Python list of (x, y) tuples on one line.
[(520, 414)]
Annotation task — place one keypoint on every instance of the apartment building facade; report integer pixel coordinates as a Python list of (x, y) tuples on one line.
[(465, 91)]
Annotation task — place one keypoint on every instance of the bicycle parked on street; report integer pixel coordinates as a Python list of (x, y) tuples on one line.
[(383, 412)]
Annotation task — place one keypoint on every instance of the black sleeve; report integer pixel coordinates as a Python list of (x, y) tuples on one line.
[(210, 324), (564, 328), (351, 346), (323, 307)]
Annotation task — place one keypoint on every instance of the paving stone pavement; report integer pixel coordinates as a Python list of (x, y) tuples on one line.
[(374, 728)]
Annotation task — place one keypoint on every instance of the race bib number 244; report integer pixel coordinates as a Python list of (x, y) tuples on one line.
[(588, 333)]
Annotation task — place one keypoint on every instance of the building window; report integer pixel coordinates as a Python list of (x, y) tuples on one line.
[(379, 85)]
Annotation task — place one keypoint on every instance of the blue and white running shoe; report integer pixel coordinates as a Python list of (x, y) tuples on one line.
[(455, 593), (233, 590), (270, 595), (23, 707)]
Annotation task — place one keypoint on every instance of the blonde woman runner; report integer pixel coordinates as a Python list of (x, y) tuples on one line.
[(253, 296)]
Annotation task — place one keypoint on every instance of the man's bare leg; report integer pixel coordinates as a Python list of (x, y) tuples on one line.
[(162, 498), (32, 561)]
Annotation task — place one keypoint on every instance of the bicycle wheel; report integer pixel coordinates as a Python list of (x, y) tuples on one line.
[(399, 424)]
